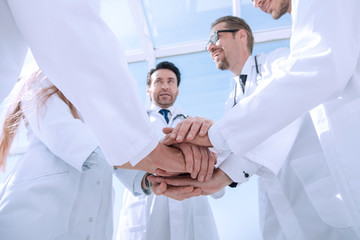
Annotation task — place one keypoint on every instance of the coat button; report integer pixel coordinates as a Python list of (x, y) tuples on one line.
[(90, 219), (88, 237)]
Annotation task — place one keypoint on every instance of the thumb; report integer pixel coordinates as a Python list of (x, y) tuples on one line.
[(167, 130)]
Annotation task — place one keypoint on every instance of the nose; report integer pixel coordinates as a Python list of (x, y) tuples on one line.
[(211, 47), (165, 85), (258, 3)]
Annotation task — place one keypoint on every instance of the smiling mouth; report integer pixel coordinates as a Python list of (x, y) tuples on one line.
[(215, 55), (267, 6)]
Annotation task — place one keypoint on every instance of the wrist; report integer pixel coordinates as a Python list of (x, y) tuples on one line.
[(225, 179)]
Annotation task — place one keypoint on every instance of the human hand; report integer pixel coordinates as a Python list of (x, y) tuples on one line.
[(168, 158), (200, 161), (177, 193), (192, 129), (218, 181)]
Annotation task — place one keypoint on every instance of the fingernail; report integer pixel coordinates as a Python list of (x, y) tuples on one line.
[(191, 169), (179, 138), (201, 132), (190, 135), (173, 135)]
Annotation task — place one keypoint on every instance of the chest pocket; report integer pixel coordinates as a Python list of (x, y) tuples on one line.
[(39, 164)]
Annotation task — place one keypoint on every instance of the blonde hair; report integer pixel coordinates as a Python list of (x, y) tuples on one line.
[(15, 113)]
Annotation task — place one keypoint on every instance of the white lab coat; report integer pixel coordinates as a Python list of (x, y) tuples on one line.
[(154, 217), (61, 188), (316, 193), (70, 37)]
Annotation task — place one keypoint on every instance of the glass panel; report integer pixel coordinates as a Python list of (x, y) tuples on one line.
[(270, 46), (139, 70), (203, 88), (259, 20), (173, 21), (118, 16)]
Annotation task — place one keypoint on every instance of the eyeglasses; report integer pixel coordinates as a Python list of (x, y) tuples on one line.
[(215, 36)]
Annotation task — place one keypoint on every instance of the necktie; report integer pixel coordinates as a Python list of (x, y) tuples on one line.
[(243, 81), (165, 112)]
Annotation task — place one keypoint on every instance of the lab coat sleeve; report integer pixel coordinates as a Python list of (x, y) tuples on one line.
[(239, 169), (317, 69), (131, 179), (79, 53), (12, 51), (53, 124)]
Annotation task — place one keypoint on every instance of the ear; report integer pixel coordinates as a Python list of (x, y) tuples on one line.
[(242, 34), (148, 91)]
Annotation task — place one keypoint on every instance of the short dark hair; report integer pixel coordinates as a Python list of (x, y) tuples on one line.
[(165, 65), (237, 23)]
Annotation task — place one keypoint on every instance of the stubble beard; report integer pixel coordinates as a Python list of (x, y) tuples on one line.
[(223, 65), (283, 8), (165, 104)]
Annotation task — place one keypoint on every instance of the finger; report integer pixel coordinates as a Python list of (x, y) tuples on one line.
[(159, 189), (204, 164), (211, 167), (188, 155), (182, 129), (179, 181), (181, 189), (175, 131), (180, 193), (195, 193), (167, 130), (194, 129), (162, 187), (214, 155), (197, 159), (167, 140), (207, 123), (155, 180), (164, 173)]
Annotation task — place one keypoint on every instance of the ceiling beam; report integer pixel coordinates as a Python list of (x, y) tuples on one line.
[(199, 46), (236, 8), (143, 30)]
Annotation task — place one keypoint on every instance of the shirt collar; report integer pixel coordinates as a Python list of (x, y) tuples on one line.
[(156, 108), (246, 68)]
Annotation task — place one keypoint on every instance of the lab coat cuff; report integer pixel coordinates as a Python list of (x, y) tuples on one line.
[(137, 183), (130, 179), (217, 140), (239, 169), (78, 165)]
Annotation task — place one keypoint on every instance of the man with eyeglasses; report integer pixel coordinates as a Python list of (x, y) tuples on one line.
[(230, 46), (314, 194)]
